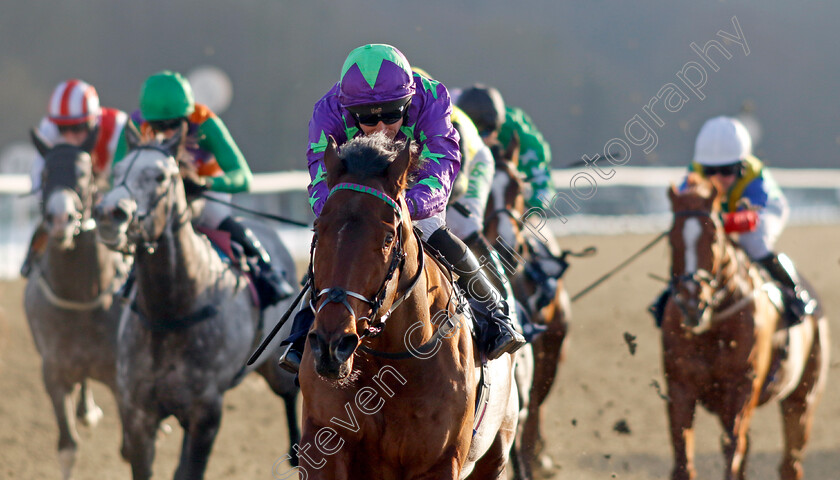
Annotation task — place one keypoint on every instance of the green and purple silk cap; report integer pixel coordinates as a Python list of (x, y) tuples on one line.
[(375, 74)]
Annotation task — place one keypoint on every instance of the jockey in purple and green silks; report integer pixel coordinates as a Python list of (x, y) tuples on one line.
[(167, 107), (377, 92), (380, 75)]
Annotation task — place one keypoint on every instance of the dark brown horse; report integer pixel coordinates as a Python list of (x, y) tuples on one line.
[(502, 223), (397, 399), (725, 344), (69, 297)]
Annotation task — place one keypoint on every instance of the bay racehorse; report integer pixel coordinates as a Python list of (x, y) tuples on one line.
[(390, 371), (503, 227), (69, 298), (191, 322), (726, 345)]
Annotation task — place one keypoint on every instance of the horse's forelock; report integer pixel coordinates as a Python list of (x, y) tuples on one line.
[(370, 155)]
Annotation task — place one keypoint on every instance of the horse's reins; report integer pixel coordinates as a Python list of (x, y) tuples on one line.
[(257, 213)]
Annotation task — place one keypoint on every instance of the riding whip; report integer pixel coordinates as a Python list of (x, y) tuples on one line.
[(279, 325)]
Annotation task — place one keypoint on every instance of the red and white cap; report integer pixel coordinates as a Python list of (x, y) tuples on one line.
[(72, 102)]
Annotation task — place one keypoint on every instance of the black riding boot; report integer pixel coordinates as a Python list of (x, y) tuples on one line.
[(271, 287), (36, 248), (798, 301), (498, 333), (291, 358)]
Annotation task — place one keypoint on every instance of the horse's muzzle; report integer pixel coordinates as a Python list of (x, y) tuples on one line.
[(333, 357)]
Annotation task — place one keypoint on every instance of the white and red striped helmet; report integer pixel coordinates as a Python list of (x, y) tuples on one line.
[(73, 102)]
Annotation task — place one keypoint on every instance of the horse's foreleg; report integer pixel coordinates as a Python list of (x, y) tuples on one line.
[(87, 410), (139, 430), (60, 392), (282, 384), (292, 421), (548, 351), (681, 406), (199, 435), (736, 423)]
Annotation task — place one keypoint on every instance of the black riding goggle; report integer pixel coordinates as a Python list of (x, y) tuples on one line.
[(725, 170), (387, 113), (74, 128), (164, 125)]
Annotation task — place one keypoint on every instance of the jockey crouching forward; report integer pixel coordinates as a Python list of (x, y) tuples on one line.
[(497, 123), (167, 107), (754, 208), (377, 92), (74, 114)]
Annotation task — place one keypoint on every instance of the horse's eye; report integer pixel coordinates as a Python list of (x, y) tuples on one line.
[(389, 239), (160, 178)]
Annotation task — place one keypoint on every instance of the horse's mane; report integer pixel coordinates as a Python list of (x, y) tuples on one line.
[(370, 155)]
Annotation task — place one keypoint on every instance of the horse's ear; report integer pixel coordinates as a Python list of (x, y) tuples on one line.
[(91, 139), (398, 169), (672, 193), (714, 197), (173, 143), (333, 164), (41, 144), (132, 135), (512, 150)]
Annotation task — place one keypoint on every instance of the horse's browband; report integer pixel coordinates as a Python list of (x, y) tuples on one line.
[(370, 191)]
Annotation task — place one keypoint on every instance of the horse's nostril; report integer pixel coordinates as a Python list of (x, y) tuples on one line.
[(315, 344), (345, 347), (119, 215)]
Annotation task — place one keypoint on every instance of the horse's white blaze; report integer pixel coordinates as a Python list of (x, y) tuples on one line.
[(691, 234)]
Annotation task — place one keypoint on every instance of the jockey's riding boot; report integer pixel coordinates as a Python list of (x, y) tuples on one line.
[(271, 287), (36, 247), (291, 358), (657, 308), (799, 302), (499, 334)]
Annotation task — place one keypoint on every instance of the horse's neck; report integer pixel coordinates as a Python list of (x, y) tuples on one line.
[(734, 274), (82, 272), (172, 276)]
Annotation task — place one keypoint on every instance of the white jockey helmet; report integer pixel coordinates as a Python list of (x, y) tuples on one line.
[(73, 102), (722, 141)]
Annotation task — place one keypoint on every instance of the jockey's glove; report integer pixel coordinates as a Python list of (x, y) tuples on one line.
[(195, 187), (740, 222)]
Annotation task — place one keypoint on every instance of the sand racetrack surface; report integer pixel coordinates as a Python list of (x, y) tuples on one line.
[(600, 385)]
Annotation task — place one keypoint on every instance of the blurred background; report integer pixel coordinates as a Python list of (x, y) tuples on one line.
[(582, 70)]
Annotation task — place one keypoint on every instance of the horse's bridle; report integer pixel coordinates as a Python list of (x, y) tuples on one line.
[(701, 276), (82, 201), (135, 228), (339, 294)]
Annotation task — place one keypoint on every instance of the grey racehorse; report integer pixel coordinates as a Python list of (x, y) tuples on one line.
[(69, 297), (191, 325)]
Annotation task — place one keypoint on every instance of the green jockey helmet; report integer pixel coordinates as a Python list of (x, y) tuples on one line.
[(166, 95)]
